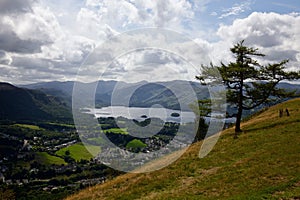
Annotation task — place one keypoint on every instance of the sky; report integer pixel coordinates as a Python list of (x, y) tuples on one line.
[(55, 40)]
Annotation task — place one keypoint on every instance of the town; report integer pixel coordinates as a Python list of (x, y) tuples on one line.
[(52, 158)]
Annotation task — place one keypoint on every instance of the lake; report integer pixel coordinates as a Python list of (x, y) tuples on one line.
[(143, 113)]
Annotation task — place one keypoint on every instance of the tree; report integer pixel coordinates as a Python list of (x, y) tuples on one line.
[(67, 153), (201, 108), (249, 84), (6, 194)]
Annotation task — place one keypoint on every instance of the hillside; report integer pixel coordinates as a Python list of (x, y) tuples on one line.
[(25, 104), (142, 94), (264, 163)]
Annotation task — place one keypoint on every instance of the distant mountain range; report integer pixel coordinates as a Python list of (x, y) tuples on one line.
[(142, 94), (26, 104), (172, 94), (53, 100)]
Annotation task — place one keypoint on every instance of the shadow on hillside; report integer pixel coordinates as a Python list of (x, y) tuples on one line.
[(246, 129)]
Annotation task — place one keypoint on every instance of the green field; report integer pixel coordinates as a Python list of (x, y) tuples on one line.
[(33, 127), (62, 125), (263, 163), (79, 151), (47, 159), (136, 144), (122, 131)]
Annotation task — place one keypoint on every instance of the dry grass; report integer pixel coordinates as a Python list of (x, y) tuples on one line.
[(264, 163)]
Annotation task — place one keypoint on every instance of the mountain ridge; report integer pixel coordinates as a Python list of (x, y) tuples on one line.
[(26, 104), (120, 93), (123, 92)]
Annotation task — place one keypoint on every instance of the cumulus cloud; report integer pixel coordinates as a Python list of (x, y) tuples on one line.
[(148, 50), (263, 29), (170, 11), (36, 45), (276, 35), (125, 13), (159, 57), (27, 32), (39, 44)]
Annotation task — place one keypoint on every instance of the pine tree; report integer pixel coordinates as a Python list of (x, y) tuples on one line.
[(249, 84), (201, 108)]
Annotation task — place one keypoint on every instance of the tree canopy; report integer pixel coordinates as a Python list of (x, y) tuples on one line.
[(249, 84)]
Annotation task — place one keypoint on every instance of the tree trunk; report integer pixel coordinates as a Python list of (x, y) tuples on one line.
[(240, 110), (238, 122)]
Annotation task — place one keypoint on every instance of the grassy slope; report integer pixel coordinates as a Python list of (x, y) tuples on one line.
[(47, 159), (122, 131), (264, 163), (79, 151), (136, 144), (33, 127)]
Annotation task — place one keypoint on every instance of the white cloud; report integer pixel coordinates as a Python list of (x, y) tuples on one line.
[(91, 25), (41, 47), (33, 41), (237, 9), (274, 34), (173, 12), (201, 5), (149, 50), (120, 14), (214, 14), (38, 43), (27, 32), (5, 58)]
